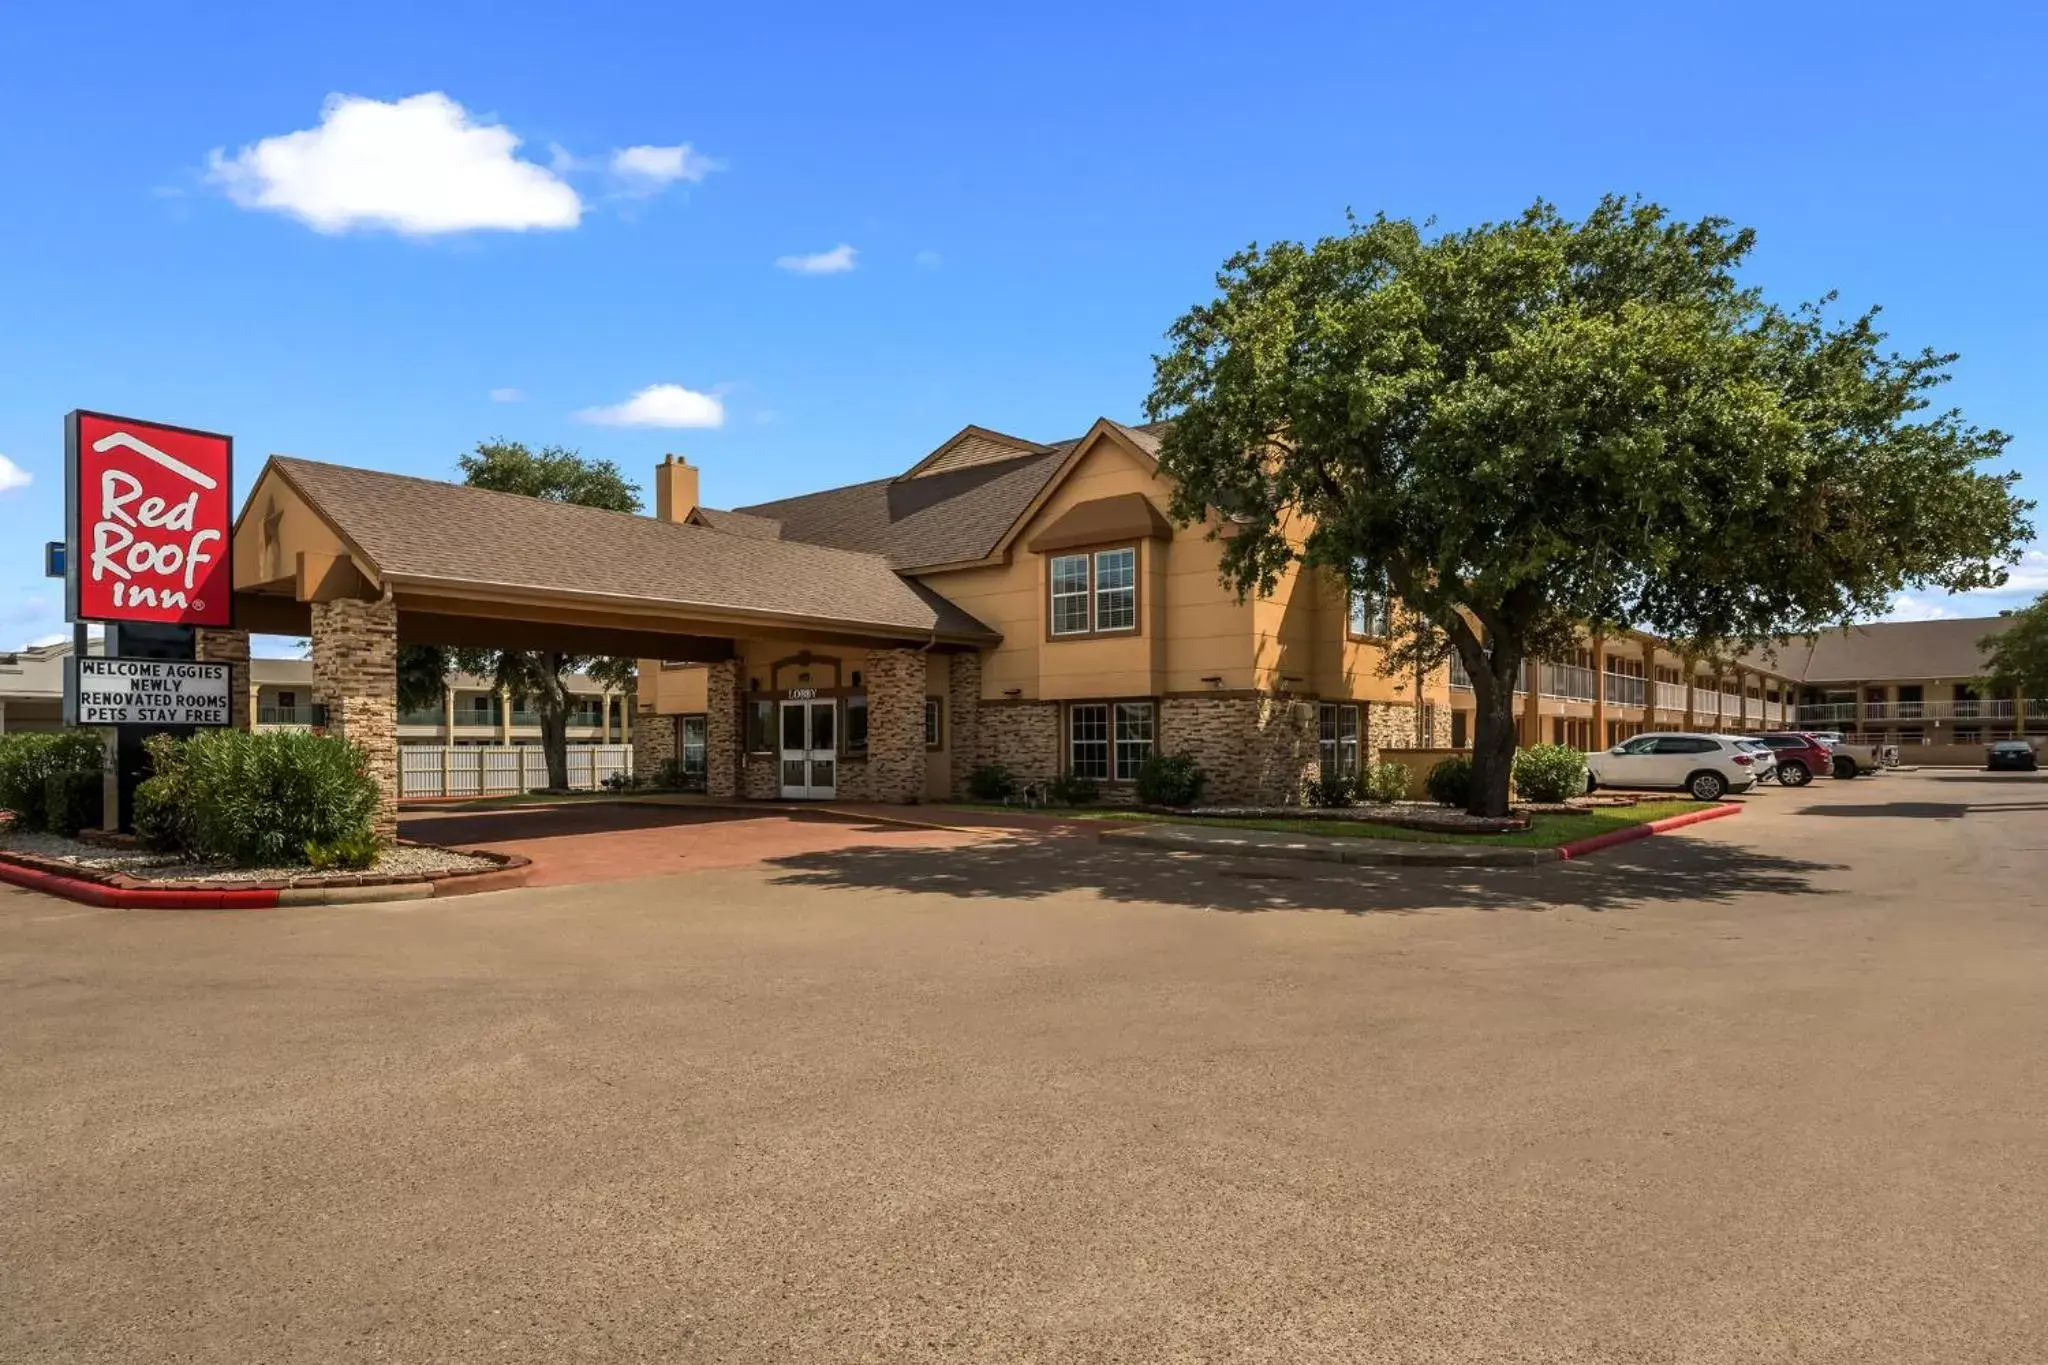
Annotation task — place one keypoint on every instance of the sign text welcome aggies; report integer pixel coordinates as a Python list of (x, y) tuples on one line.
[(152, 516)]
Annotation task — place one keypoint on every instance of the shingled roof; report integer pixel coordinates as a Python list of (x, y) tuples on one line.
[(424, 531), (1886, 650), (950, 514)]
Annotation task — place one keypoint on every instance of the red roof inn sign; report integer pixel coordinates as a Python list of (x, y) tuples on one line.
[(150, 520)]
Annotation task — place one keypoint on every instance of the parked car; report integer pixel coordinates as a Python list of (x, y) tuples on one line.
[(2011, 756), (1846, 760), (1800, 756), (1707, 767), (1766, 757)]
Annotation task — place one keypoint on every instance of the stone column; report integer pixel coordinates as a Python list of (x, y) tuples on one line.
[(355, 675), (963, 713), (724, 740), (505, 716), (230, 647), (895, 680)]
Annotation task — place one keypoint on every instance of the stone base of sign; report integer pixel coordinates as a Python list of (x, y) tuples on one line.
[(116, 890), (230, 647)]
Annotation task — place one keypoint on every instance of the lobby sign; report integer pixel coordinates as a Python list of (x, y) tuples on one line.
[(152, 692), (150, 521)]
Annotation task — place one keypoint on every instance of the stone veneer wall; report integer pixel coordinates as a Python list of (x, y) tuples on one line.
[(355, 675), (654, 744), (761, 778), (230, 647), (1023, 736), (895, 685), (1400, 725), (963, 714), (1255, 748), (723, 737)]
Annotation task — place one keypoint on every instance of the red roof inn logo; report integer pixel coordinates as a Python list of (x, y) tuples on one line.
[(152, 518)]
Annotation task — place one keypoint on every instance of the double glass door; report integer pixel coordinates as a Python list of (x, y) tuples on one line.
[(810, 750)]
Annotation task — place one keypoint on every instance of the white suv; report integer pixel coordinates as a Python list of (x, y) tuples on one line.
[(1706, 767)]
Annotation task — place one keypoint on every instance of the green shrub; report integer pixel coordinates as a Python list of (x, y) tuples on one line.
[(1385, 783), (1550, 772), (1171, 780), (1450, 782), (74, 800), (163, 808), (1069, 790), (991, 782), (352, 852), (1328, 789), (28, 760), (257, 800)]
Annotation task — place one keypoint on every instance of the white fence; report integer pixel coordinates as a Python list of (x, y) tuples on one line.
[(499, 770)]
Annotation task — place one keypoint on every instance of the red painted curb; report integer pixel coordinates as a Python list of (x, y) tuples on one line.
[(134, 898), (1579, 848)]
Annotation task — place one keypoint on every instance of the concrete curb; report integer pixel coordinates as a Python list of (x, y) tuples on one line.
[(1350, 851), (1579, 848), (87, 891)]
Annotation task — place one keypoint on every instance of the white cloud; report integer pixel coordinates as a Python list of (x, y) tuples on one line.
[(837, 261), (1906, 607), (2030, 575), (13, 476), (507, 396), (643, 170), (420, 165), (660, 405)]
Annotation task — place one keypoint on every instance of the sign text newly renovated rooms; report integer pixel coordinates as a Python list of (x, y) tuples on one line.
[(152, 692), (152, 519)]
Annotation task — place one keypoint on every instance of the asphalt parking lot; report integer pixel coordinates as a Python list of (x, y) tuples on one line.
[(1768, 1090)]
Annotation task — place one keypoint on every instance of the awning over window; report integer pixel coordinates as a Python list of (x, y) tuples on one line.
[(1103, 521)]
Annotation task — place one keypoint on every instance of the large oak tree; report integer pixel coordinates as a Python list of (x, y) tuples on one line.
[(534, 678), (1535, 426)]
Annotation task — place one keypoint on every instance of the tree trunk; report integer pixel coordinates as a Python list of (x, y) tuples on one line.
[(1494, 736), (553, 702)]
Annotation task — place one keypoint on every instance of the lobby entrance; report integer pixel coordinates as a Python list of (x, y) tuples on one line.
[(810, 750)]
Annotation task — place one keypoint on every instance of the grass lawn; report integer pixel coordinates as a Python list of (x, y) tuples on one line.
[(1545, 831)]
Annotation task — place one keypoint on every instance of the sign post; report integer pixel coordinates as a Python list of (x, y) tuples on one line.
[(149, 532)]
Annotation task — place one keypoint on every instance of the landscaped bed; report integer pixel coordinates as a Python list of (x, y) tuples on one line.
[(137, 877)]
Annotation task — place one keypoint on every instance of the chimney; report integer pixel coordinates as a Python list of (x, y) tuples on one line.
[(675, 488)]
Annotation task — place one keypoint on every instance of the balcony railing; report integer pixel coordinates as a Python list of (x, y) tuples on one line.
[(1671, 696), (1624, 690), (310, 714), (1839, 713), (1571, 682)]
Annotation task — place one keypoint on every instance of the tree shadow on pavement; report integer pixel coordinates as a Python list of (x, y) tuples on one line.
[(1026, 868), (1923, 810)]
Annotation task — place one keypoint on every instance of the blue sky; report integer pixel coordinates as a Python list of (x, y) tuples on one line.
[(882, 226)]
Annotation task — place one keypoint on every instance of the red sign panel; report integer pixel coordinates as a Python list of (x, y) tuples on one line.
[(152, 520)]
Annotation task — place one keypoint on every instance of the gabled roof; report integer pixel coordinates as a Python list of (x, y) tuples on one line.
[(737, 523), (970, 446), (423, 532), (1885, 650), (932, 515)]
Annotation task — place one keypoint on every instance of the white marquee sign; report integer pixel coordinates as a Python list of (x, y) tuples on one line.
[(152, 692)]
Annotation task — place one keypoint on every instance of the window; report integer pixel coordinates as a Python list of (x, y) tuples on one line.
[(760, 727), (287, 700), (1116, 589), (1372, 603), (1088, 741), (857, 725), (1094, 594), (934, 722), (1457, 729), (1133, 738), (694, 748), (1681, 744), (1070, 595), (1337, 731)]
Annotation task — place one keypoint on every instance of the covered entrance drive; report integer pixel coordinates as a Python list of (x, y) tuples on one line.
[(362, 561)]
